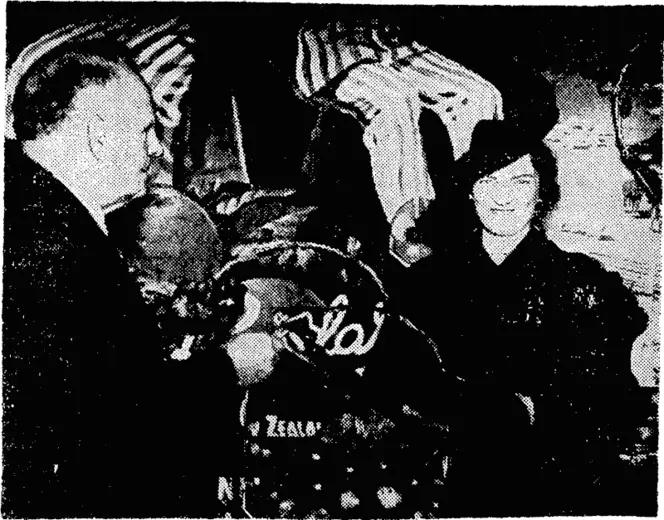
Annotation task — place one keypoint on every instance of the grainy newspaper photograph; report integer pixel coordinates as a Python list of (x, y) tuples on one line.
[(316, 261)]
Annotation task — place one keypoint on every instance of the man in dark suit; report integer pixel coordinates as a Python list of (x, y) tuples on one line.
[(87, 430)]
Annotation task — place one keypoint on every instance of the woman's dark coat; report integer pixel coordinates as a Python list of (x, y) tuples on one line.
[(547, 324)]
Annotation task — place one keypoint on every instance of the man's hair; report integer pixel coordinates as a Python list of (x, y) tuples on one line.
[(45, 94)]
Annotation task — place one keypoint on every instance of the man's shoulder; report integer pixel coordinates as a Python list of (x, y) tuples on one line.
[(37, 221), (48, 235), (37, 204)]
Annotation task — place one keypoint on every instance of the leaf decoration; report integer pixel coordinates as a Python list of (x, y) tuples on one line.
[(228, 205), (285, 227), (269, 213), (223, 199)]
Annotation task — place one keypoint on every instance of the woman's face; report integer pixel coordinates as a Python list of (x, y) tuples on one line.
[(505, 200)]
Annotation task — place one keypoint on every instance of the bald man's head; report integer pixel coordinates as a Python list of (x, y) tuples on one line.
[(90, 100), (45, 94)]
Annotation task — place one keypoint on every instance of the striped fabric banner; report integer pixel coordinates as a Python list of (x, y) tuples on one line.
[(392, 134), (387, 85), (323, 54), (163, 53), (165, 58)]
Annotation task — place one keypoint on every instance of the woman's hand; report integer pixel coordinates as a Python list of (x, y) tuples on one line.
[(403, 245), (401, 224)]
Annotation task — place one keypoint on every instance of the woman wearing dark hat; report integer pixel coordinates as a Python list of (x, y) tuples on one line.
[(525, 319)]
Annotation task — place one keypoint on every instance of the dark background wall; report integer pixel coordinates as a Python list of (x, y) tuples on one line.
[(589, 40)]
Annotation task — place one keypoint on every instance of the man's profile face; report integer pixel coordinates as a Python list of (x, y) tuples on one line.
[(129, 141)]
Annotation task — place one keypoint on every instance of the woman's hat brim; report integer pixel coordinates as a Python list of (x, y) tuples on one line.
[(495, 145)]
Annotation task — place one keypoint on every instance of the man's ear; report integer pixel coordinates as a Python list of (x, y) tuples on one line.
[(96, 136)]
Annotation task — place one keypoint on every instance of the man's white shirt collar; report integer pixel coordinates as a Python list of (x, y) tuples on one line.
[(96, 212), (90, 202)]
